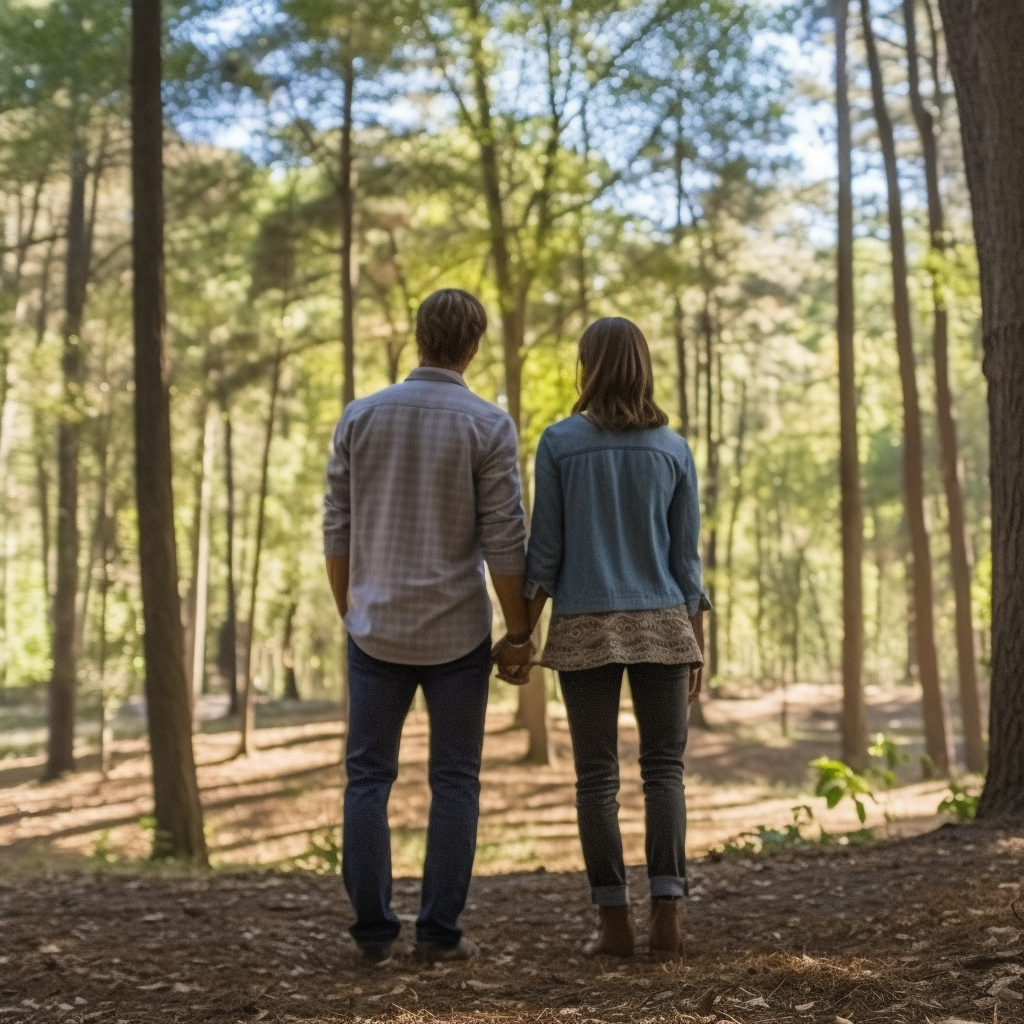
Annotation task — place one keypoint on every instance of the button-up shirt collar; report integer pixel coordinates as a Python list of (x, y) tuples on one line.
[(437, 373)]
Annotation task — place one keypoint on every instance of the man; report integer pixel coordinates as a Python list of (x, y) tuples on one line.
[(423, 488)]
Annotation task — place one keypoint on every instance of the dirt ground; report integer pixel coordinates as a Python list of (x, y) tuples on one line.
[(270, 808), (902, 932), (918, 928)]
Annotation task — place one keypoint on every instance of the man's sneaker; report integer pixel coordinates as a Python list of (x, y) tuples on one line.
[(464, 949), (374, 952)]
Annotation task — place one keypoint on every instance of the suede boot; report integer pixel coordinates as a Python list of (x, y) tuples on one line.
[(615, 933), (666, 940)]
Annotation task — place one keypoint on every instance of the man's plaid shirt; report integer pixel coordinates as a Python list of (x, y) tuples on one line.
[(422, 488)]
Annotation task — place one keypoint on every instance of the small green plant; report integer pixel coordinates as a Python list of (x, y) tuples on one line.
[(885, 749), (160, 843), (323, 854), (837, 781), (958, 802), (766, 840), (102, 852)]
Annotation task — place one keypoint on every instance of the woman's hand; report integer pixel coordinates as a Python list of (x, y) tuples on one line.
[(696, 682), (514, 661)]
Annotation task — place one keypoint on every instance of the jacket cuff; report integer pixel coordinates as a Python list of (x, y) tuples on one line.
[(698, 604), (336, 546)]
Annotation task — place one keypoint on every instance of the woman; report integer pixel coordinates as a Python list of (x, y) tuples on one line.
[(614, 539)]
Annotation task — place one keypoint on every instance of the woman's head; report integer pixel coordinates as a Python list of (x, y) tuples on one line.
[(617, 381)]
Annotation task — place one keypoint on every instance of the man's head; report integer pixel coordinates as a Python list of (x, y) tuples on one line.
[(449, 326)]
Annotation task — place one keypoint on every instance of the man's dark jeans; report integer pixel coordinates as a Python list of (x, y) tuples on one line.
[(660, 698), (380, 695)]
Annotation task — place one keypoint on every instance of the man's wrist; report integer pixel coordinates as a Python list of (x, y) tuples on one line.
[(517, 639)]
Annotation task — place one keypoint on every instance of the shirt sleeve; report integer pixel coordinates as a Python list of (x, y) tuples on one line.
[(500, 504), (684, 539), (337, 501), (544, 556)]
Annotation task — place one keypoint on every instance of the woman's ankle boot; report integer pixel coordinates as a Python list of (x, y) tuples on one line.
[(666, 942), (615, 933)]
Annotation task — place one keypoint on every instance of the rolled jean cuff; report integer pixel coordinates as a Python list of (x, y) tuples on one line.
[(610, 895), (668, 887)]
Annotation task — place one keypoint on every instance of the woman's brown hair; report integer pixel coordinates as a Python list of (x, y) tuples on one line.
[(617, 382)]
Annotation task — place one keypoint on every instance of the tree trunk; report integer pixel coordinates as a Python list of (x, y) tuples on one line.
[(291, 688), (986, 53), (229, 646), (247, 741), (347, 202), (855, 730), (734, 511), (960, 554), (512, 302), (202, 567), (678, 320), (179, 816), (936, 740), (61, 742), (710, 487)]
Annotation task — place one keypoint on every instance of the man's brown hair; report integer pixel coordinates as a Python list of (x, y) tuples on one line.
[(449, 323), (617, 382)]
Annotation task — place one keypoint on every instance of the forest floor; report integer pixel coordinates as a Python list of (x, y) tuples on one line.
[(917, 927)]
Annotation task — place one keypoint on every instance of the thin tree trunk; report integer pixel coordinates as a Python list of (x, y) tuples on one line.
[(42, 478), (105, 734), (710, 486), (247, 741), (346, 199), (986, 53), (61, 741), (179, 816), (855, 730), (202, 570), (936, 740), (678, 320), (230, 645), (189, 604), (734, 511), (291, 688), (960, 555)]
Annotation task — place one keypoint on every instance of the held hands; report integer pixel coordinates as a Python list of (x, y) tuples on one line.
[(514, 660)]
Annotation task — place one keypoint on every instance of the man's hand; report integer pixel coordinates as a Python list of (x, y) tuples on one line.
[(337, 576), (513, 660)]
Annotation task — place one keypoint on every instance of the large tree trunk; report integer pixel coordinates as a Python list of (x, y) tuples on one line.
[(247, 718), (346, 199), (61, 742), (960, 555), (179, 816), (986, 52), (936, 740), (855, 730)]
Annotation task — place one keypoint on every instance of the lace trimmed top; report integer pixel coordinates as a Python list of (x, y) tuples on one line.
[(661, 636)]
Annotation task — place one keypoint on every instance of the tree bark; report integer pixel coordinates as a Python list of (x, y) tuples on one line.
[(291, 687), (985, 42), (711, 441), (734, 511), (936, 740), (61, 741), (346, 199), (229, 646), (202, 567), (855, 730), (247, 741), (960, 555), (179, 816)]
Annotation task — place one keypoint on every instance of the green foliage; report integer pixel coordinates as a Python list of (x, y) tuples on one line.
[(102, 853), (766, 840), (837, 781), (960, 803), (322, 855)]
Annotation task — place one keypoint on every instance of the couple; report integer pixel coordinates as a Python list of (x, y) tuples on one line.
[(423, 489)]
